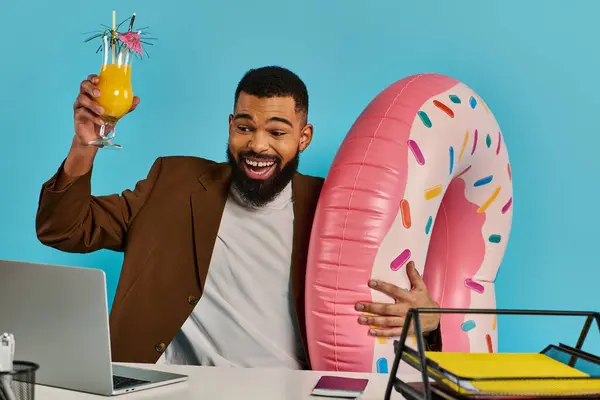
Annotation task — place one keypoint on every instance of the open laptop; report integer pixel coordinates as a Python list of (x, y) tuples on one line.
[(59, 318)]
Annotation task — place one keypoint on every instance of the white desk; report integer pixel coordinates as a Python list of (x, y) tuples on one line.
[(209, 383)]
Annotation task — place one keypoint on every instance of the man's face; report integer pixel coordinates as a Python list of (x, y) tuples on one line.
[(265, 138)]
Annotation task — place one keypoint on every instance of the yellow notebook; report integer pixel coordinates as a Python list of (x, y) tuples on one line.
[(513, 365)]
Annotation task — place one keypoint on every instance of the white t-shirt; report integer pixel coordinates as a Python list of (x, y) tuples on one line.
[(245, 316)]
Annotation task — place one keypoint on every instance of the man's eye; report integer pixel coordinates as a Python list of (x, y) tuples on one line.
[(243, 128), (278, 133)]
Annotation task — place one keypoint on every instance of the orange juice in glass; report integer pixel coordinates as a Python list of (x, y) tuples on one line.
[(116, 91)]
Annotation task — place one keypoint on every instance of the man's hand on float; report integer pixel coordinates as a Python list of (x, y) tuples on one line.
[(388, 319)]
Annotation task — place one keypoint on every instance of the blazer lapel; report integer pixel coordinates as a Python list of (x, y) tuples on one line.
[(208, 204)]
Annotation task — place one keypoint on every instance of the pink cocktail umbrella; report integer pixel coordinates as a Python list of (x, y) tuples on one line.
[(132, 41)]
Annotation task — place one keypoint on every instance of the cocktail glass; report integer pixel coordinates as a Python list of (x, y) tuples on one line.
[(116, 91)]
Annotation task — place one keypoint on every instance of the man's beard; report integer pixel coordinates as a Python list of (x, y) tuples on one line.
[(258, 192)]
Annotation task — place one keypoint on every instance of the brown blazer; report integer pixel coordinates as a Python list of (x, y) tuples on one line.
[(167, 227)]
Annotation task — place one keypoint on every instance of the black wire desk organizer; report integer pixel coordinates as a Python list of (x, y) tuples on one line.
[(441, 383), (18, 383), (17, 378)]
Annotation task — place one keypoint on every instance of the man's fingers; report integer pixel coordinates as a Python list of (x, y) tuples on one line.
[(382, 309), (84, 101), (376, 321), (413, 275), (386, 332), (84, 115), (393, 291), (134, 104), (89, 88)]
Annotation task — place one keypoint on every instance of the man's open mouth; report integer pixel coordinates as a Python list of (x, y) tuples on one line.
[(259, 168)]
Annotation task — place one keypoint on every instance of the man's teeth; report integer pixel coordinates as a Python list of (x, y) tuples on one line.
[(259, 163)]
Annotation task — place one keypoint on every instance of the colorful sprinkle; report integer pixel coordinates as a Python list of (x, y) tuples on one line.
[(382, 366), (509, 171), (506, 207), (455, 99), (464, 172), (424, 118), (471, 284), (488, 340), (451, 151), (468, 325), (473, 102), (400, 260), (483, 181), (414, 147), (475, 142), (444, 108), (405, 211), (494, 322), (433, 192), (488, 140), (495, 238), (428, 226), (489, 201), (499, 143), (464, 146)]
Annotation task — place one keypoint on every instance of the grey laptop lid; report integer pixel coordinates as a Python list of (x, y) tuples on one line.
[(59, 316)]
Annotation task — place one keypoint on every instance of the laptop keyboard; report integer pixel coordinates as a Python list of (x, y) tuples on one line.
[(121, 382)]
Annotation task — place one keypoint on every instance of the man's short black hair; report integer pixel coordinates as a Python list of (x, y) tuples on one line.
[(274, 81)]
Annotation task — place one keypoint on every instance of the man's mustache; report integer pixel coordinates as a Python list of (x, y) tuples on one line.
[(249, 154)]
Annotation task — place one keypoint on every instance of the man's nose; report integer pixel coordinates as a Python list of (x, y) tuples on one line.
[(259, 143)]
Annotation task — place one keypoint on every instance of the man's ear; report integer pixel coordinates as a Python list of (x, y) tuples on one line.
[(230, 123), (305, 137)]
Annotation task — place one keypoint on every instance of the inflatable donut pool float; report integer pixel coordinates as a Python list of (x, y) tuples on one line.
[(423, 175)]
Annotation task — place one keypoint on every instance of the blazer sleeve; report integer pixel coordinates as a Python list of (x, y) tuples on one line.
[(73, 220), (433, 340)]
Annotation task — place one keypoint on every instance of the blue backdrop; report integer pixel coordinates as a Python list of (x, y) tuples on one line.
[(535, 63)]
